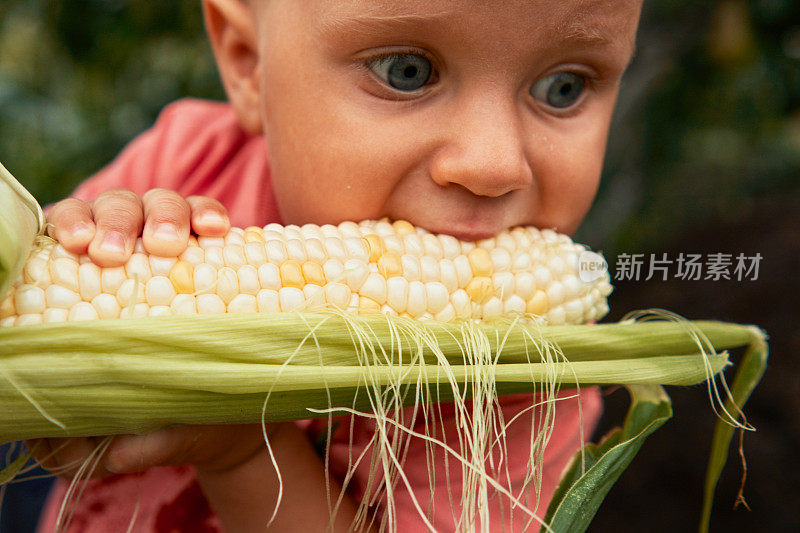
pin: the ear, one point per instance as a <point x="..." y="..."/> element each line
<point x="231" y="27"/>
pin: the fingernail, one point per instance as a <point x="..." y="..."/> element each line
<point x="81" y="231"/>
<point x="212" y="218"/>
<point x="113" y="242"/>
<point x="166" y="232"/>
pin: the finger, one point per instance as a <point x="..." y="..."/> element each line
<point x="166" y="226"/>
<point x="67" y="456"/>
<point x="209" y="217"/>
<point x="214" y="447"/>
<point x="72" y="224"/>
<point x="118" y="218"/>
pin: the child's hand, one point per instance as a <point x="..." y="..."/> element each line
<point x="108" y="227"/>
<point x="208" y="448"/>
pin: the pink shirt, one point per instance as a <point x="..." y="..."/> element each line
<point x="197" y="148"/>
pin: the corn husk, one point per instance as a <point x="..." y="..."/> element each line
<point x="21" y="220"/>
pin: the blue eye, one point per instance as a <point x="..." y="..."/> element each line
<point x="404" y="72"/>
<point x="559" y="90"/>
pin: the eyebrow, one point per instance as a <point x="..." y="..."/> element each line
<point x="375" y="23"/>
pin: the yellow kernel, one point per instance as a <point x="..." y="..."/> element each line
<point x="389" y="265"/>
<point x="312" y="273"/>
<point x="254" y="236"/>
<point x="480" y="289"/>
<point x="366" y="304"/>
<point x="481" y="262"/>
<point x="375" y="246"/>
<point x="182" y="277"/>
<point x="292" y="274"/>
<point x="538" y="303"/>
<point x="403" y="227"/>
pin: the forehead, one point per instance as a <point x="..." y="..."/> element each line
<point x="578" y="20"/>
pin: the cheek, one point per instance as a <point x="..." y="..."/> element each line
<point x="568" y="182"/>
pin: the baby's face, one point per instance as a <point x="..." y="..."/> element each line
<point x="463" y="117"/>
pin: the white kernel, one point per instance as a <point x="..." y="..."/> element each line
<point x="276" y="252"/>
<point x="89" y="281"/>
<point x="137" y="311"/>
<point x="542" y="276"/>
<point x="29" y="299"/>
<point x="503" y="284"/>
<point x="7" y="306"/>
<point x="514" y="304"/>
<point x="333" y="269"/>
<point x="417" y="299"/>
<point x="493" y="308"/>
<point x="29" y="319"/>
<point x="255" y="253"/>
<point x="431" y="246"/>
<point x="463" y="270"/>
<point x="214" y="257"/>
<point x="131" y="292"/>
<point x="447" y="314"/>
<point x="449" y="276"/>
<point x="572" y="286"/>
<point x="467" y="246"/>
<point x="64" y="272"/>
<point x="556" y="316"/>
<point x="138" y="247"/>
<point x="267" y="301"/>
<point x="521" y="261"/>
<point x="53" y="315"/>
<point x="106" y="306"/>
<point x="394" y="244"/>
<point x="227" y="284"/>
<point x="461" y="303"/>
<point x="205" y="277"/>
<point x="501" y="259"/>
<point x="506" y="242"/>
<point x="211" y="242"/>
<point x="411" y="268"/>
<point x="83" y="311"/>
<point x="355" y="248"/>
<point x="556" y="265"/>
<point x="59" y="252"/>
<point x="438" y="296"/>
<point x="248" y="280"/>
<point x="243" y="303"/>
<point x="138" y="265"/>
<point x="487" y="244"/>
<point x="184" y="304"/>
<point x="194" y="255"/>
<point x="429" y="269"/>
<point x="337" y="294"/>
<point x="291" y="298"/>
<point x="160" y="266"/>
<point x="159" y="291"/>
<point x="374" y="287"/>
<point x="310" y="231"/>
<point x="314" y="294"/>
<point x="210" y="304"/>
<point x="397" y="293"/>
<point x="296" y="250"/>
<point x="315" y="251"/>
<point x="233" y="255"/>
<point x="329" y="230"/>
<point x="525" y="285"/>
<point x="234" y="238"/>
<point x="112" y="278"/>
<point x="335" y="248"/>
<point x="413" y="245"/>
<point x="451" y="248"/>
<point x="37" y="270"/>
<point x="573" y="311"/>
<point x="349" y="229"/>
<point x="269" y="276"/>
<point x="355" y="274"/>
<point x="555" y="293"/>
<point x="160" y="310"/>
<point x="61" y="297"/>
<point x="9" y="321"/>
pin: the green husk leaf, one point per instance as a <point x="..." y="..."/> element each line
<point x="14" y="468"/>
<point x="21" y="219"/>
<point x="748" y="374"/>
<point x="591" y="474"/>
<point x="135" y="375"/>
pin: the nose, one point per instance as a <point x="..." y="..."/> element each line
<point x="484" y="149"/>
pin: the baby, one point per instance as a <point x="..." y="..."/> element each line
<point x="462" y="117"/>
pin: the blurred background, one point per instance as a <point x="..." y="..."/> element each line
<point x="704" y="157"/>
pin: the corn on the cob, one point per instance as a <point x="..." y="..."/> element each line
<point x="373" y="266"/>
